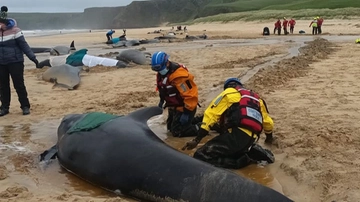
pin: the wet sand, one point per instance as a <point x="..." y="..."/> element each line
<point x="312" y="100"/>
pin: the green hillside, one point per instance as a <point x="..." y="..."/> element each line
<point x="316" y="4"/>
<point x="152" y="13"/>
<point x="228" y="6"/>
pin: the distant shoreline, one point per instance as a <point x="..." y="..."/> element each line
<point x="54" y="32"/>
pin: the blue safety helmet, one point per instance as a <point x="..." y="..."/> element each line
<point x="232" y="80"/>
<point x="159" y="60"/>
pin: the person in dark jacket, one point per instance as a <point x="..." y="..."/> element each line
<point x="12" y="48"/>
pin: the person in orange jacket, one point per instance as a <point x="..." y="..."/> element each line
<point x="277" y="27"/>
<point x="292" y="23"/>
<point x="179" y="92"/>
<point x="285" y="25"/>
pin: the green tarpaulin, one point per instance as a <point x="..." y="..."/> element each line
<point x="91" y="121"/>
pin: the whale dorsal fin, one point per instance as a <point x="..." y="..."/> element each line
<point x="144" y="114"/>
<point x="72" y="46"/>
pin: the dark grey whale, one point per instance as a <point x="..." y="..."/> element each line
<point x="124" y="156"/>
<point x="57" y="50"/>
<point x="136" y="56"/>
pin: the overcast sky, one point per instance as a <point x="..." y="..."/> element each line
<point x="29" y="6"/>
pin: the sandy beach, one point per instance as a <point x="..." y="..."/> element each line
<point x="312" y="97"/>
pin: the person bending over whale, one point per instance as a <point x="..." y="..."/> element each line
<point x="109" y="34"/>
<point x="243" y="115"/>
<point x="178" y="90"/>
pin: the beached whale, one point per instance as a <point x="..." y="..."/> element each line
<point x="65" y="76"/>
<point x="135" y="56"/>
<point x="122" y="155"/>
<point x="57" y="50"/>
<point x="147" y="41"/>
<point x="127" y="43"/>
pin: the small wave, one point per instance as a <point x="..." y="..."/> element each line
<point x="13" y="146"/>
<point x="51" y="32"/>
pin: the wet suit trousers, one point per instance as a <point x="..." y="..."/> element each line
<point x="175" y="127"/>
<point x="228" y="150"/>
<point x="319" y="29"/>
<point x="16" y="71"/>
<point x="291" y="29"/>
<point x="315" y="31"/>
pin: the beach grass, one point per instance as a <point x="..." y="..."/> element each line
<point x="264" y="15"/>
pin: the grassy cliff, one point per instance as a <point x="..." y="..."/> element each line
<point x="154" y="12"/>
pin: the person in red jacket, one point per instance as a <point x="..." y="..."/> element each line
<point x="285" y="25"/>
<point x="319" y="24"/>
<point x="277" y="27"/>
<point x="292" y="23"/>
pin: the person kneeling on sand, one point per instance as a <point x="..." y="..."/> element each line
<point x="243" y="116"/>
<point x="178" y="90"/>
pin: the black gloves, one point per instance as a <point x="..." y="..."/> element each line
<point x="35" y="61"/>
<point x="161" y="103"/>
<point x="194" y="142"/>
<point x="269" y="138"/>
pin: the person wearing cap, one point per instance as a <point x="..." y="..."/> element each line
<point x="242" y="116"/>
<point x="12" y="48"/>
<point x="314" y="25"/>
<point x="178" y="92"/>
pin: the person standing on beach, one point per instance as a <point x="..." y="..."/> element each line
<point x="292" y="23"/>
<point x="285" y="25"/>
<point x="277" y="27"/>
<point x="109" y="34"/>
<point x="179" y="92"/>
<point x="314" y="25"/>
<point x="319" y="24"/>
<point x="12" y="48"/>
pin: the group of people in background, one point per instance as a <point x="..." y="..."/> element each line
<point x="316" y="24"/>
<point x="285" y="24"/>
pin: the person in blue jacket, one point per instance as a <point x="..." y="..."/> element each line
<point x="109" y="34"/>
<point x="12" y="48"/>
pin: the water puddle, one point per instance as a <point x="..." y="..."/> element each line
<point x="21" y="145"/>
<point x="258" y="173"/>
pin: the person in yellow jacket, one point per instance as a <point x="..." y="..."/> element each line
<point x="179" y="92"/>
<point x="243" y="116"/>
<point x="314" y="25"/>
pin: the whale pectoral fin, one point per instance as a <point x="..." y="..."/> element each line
<point x="144" y="114"/>
<point x="49" y="154"/>
<point x="61" y="85"/>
